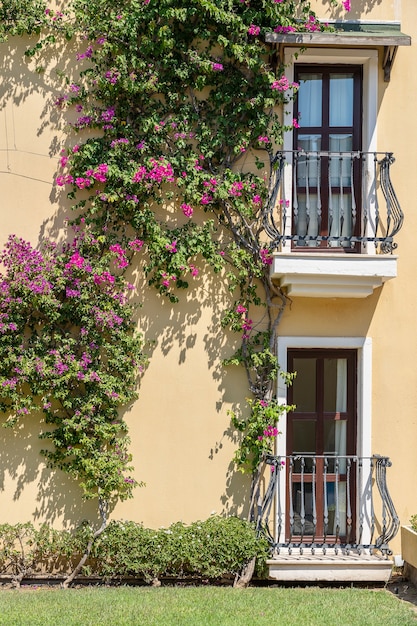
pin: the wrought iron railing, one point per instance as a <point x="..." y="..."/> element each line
<point x="332" y="199"/>
<point x="323" y="502"/>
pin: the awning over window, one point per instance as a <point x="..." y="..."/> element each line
<point x="363" y="34"/>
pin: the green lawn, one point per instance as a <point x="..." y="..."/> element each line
<point x="201" y="606"/>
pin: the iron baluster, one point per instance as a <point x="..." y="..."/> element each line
<point x="336" y="497"/>
<point x="313" y="495"/>
<point x="291" y="503"/>
<point x="390" y="521"/>
<point x="376" y="200"/>
<point x="302" y="508"/>
<point x="279" y="506"/>
<point x="325" y="507"/>
<point x="319" y="205"/>
<point x="348" y="507"/>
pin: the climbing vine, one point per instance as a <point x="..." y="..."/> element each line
<point x="171" y="157"/>
<point x="70" y="351"/>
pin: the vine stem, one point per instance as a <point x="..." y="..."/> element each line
<point x="103" y="507"/>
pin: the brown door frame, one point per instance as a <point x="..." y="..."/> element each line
<point x="321" y="416"/>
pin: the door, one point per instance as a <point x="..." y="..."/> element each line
<point x="321" y="439"/>
<point x="327" y="165"/>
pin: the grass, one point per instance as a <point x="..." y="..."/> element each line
<point x="203" y="606"/>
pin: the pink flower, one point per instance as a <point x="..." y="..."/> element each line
<point x="266" y="256"/>
<point x="254" y="30"/>
<point x="82" y="183"/>
<point x="284" y="29"/>
<point x="135" y="245"/>
<point x="217" y="67"/>
<point x="241" y="309"/>
<point x="346" y="5"/>
<point x="85" y="55"/>
<point x="295" y="123"/>
<point x="108" y="115"/>
<point x="247" y="325"/>
<point x="236" y="188"/>
<point x="187" y="209"/>
<point x="139" y="175"/>
<point x="172" y="247"/>
<point x="281" y="85"/>
<point x="206" y="198"/>
<point x="193" y="270"/>
<point x="64" y="180"/>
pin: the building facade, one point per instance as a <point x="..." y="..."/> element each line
<point x="346" y="261"/>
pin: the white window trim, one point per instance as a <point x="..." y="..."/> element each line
<point x="363" y="345"/>
<point x="369" y="61"/>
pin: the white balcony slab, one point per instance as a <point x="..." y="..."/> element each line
<point x="330" y="568"/>
<point x="327" y="275"/>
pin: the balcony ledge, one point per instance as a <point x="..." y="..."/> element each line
<point x="336" y="568"/>
<point x="315" y="275"/>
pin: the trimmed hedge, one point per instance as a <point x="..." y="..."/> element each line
<point x="212" y="549"/>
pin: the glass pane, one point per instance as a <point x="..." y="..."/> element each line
<point x="341" y="100"/>
<point x="303" y="496"/>
<point x="310" y="100"/>
<point x="309" y="143"/>
<point x="335" y="385"/>
<point x="340" y="167"/>
<point x="307" y="222"/>
<point x="335" y="438"/>
<point x="336" y="511"/>
<point x="340" y="217"/>
<point x="304" y="437"/>
<point x="304" y="385"/>
<point x="308" y="167"/>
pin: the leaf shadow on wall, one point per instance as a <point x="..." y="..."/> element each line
<point x="188" y="337"/>
<point x="358" y="9"/>
<point x="40" y="494"/>
<point x="33" y="135"/>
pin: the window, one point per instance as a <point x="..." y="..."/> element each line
<point x="340" y="86"/>
<point x="327" y="168"/>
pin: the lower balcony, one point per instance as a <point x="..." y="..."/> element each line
<point x="328" y="518"/>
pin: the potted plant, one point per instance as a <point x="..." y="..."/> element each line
<point x="409" y="549"/>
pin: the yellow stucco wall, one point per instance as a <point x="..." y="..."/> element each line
<point x="181" y="441"/>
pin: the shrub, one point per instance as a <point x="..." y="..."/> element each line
<point x="212" y="549"/>
<point x="215" y="548"/>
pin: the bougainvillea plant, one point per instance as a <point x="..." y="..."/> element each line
<point x="70" y="352"/>
<point x="173" y="149"/>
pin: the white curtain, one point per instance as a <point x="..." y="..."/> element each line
<point x="310" y="100"/>
<point x="341" y="438"/>
<point x="341" y="100"/>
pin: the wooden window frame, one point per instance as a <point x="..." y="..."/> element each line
<point x="325" y="130"/>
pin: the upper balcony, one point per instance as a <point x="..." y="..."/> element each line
<point x="333" y="217"/>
